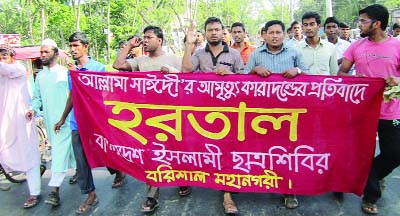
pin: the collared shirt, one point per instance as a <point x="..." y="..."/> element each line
<point x="146" y="63"/>
<point x="340" y="46"/>
<point x="322" y="59"/>
<point x="91" y="65"/>
<point x="278" y="62"/>
<point x="204" y="61"/>
<point x="246" y="51"/>
<point x="293" y="42"/>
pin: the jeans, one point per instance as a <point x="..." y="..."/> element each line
<point x="386" y="161"/>
<point x="85" y="178"/>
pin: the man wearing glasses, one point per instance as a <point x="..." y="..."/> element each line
<point x="378" y="55"/>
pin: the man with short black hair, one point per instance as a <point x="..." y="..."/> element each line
<point x="297" y="33"/>
<point x="217" y="57"/>
<point x="396" y="30"/>
<point x="79" y="47"/>
<point x="319" y="55"/>
<point x="331" y="27"/>
<point x="157" y="60"/>
<point x="239" y="33"/>
<point x="378" y="55"/>
<point x="344" y="32"/>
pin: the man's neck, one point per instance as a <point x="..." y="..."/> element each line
<point x="333" y="40"/>
<point x="239" y="46"/>
<point x="378" y="37"/>
<point x="156" y="53"/>
<point x="216" y="49"/>
<point x="313" y="41"/>
<point x="52" y="64"/>
<point x="82" y="60"/>
<point x="274" y="49"/>
<point x="298" y="37"/>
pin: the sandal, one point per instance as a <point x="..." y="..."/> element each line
<point x="184" y="191"/>
<point x="85" y="207"/>
<point x="369" y="208"/>
<point x="74" y="178"/>
<point x="290" y="201"/>
<point x="32" y="201"/>
<point x="118" y="181"/>
<point x="149" y="205"/>
<point x="230" y="207"/>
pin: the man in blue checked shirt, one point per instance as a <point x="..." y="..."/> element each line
<point x="274" y="56"/>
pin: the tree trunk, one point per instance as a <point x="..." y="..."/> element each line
<point x="43" y="23"/>
<point x="108" y="33"/>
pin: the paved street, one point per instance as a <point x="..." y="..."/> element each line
<point x="127" y="199"/>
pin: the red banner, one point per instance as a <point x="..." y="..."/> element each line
<point x="307" y="135"/>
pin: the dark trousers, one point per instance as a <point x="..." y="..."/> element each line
<point x="387" y="160"/>
<point x="85" y="178"/>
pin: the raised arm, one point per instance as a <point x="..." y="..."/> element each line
<point x="120" y="62"/>
<point x="189" y="45"/>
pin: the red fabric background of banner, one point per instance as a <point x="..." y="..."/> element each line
<point x="307" y="135"/>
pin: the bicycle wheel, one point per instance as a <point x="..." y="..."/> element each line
<point x="14" y="177"/>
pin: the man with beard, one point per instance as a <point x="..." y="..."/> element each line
<point x="244" y="47"/>
<point x="157" y="60"/>
<point x="79" y="46"/>
<point x="215" y="57"/>
<point x="319" y="55"/>
<point x="51" y="93"/>
<point x="19" y="142"/>
<point x="331" y="27"/>
<point x="378" y="55"/>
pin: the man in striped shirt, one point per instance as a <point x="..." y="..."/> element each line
<point x="274" y="56"/>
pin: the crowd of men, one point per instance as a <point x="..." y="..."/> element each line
<point x="221" y="49"/>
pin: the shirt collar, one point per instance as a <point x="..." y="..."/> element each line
<point x="246" y="45"/>
<point x="321" y="43"/>
<point x="265" y="49"/>
<point x="226" y="47"/>
<point x="84" y="68"/>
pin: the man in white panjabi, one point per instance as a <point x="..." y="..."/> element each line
<point x="19" y="143"/>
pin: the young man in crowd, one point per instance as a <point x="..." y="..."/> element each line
<point x="157" y="60"/>
<point x="239" y="33"/>
<point x="215" y="57"/>
<point x="378" y="55"/>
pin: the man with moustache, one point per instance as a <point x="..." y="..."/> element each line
<point x="319" y="55"/>
<point x="244" y="47"/>
<point x="157" y="60"/>
<point x="217" y="57"/>
<point x="51" y="93"/>
<point x="378" y="55"/>
<point x="297" y="35"/>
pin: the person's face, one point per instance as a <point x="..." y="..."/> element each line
<point x="344" y="33"/>
<point x="331" y="30"/>
<point x="275" y="36"/>
<point x="296" y="29"/>
<point x="227" y="36"/>
<point x="238" y="34"/>
<point x="77" y="49"/>
<point x="199" y="37"/>
<point x="151" y="42"/>
<point x="47" y="55"/>
<point x="396" y="32"/>
<point x="5" y="57"/>
<point x="366" y="25"/>
<point x="214" y="33"/>
<point x="310" y="27"/>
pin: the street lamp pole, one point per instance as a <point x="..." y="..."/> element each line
<point x="329" y="11"/>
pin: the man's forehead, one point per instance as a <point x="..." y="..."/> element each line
<point x="215" y="25"/>
<point x="310" y="20"/>
<point x="331" y="25"/>
<point x="237" y="28"/>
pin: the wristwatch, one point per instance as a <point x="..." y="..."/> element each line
<point x="298" y="70"/>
